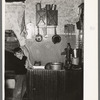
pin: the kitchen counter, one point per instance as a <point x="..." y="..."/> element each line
<point x="55" y="84"/>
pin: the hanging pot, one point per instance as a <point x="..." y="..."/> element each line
<point x="38" y="37"/>
<point x="56" y="38"/>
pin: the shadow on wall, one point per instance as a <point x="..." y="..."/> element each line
<point x="46" y="51"/>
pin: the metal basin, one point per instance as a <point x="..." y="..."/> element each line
<point x="56" y="66"/>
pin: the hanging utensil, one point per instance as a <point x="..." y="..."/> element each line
<point x="71" y="29"/>
<point x="44" y="29"/>
<point x="78" y="24"/>
<point x="38" y="6"/>
<point x="68" y="29"/>
<point x="56" y="38"/>
<point x="38" y="37"/>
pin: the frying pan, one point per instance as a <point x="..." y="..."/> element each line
<point x="38" y="37"/>
<point x="56" y="38"/>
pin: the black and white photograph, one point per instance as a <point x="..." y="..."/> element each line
<point x="44" y="49"/>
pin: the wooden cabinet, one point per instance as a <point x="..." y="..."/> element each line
<point x="47" y="17"/>
<point x="54" y="85"/>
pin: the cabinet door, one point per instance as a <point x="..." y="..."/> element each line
<point x="74" y="85"/>
<point x="50" y="80"/>
<point x="61" y="85"/>
<point x="42" y="85"/>
<point x="55" y="85"/>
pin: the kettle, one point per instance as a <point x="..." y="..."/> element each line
<point x="76" y="56"/>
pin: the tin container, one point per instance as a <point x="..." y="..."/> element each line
<point x="56" y="66"/>
<point x="38" y="6"/>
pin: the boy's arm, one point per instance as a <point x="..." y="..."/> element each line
<point x="26" y="52"/>
<point x="24" y="60"/>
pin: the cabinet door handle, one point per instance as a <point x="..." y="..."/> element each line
<point x="34" y="89"/>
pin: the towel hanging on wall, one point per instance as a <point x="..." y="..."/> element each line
<point x="23" y="26"/>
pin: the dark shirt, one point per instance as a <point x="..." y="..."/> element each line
<point x="20" y="65"/>
<point x="14" y="63"/>
<point x="9" y="60"/>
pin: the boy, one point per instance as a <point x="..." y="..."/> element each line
<point x="20" y="74"/>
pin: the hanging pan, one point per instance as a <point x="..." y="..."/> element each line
<point x="56" y="38"/>
<point x="38" y="37"/>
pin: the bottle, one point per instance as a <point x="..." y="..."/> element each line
<point x="68" y="56"/>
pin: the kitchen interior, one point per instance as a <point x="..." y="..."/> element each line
<point x="48" y="26"/>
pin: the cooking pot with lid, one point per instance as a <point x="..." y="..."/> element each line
<point x="77" y="56"/>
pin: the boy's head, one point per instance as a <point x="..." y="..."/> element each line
<point x="18" y="52"/>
